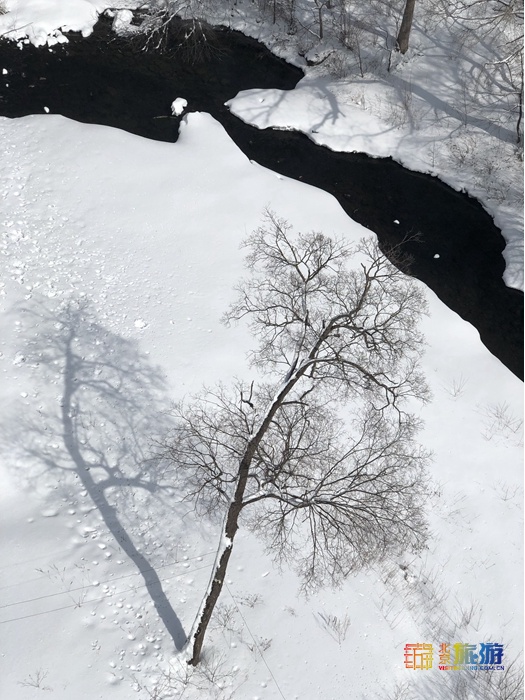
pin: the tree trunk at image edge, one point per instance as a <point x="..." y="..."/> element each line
<point x="406" y="26"/>
<point x="211" y="600"/>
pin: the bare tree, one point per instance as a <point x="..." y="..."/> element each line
<point x="320" y="6"/>
<point x="178" y="26"/>
<point x="496" y="83"/>
<point x="328" y="493"/>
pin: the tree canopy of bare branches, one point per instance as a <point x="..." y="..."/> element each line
<point x="320" y="457"/>
<point x="177" y="27"/>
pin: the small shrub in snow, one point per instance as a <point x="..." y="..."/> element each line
<point x="337" y="627"/>
<point x="36" y="680"/>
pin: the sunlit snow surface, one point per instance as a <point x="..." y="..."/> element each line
<point x="123" y="252"/>
<point x="45" y="22"/>
<point x="128" y="250"/>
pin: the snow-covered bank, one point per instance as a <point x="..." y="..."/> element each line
<point x="147" y="234"/>
<point x="46" y="23"/>
<point x="340" y="114"/>
<point x="430" y="125"/>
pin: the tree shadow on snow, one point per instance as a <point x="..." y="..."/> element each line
<point x="97" y="432"/>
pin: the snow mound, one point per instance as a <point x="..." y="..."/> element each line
<point x="42" y="23"/>
<point x="178" y="106"/>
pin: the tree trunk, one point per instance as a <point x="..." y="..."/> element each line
<point x="205" y="616"/>
<point x="406" y="26"/>
<point x="198" y="632"/>
<point x="520" y="111"/>
<point x="291" y="23"/>
<point x="223" y="557"/>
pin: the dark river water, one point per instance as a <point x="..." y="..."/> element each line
<point x="109" y="80"/>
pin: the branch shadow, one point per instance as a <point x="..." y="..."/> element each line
<point x="461" y="116"/>
<point x="423" y="594"/>
<point x="97" y="433"/>
<point x="504" y="684"/>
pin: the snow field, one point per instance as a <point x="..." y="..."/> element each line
<point x="146" y="235"/>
